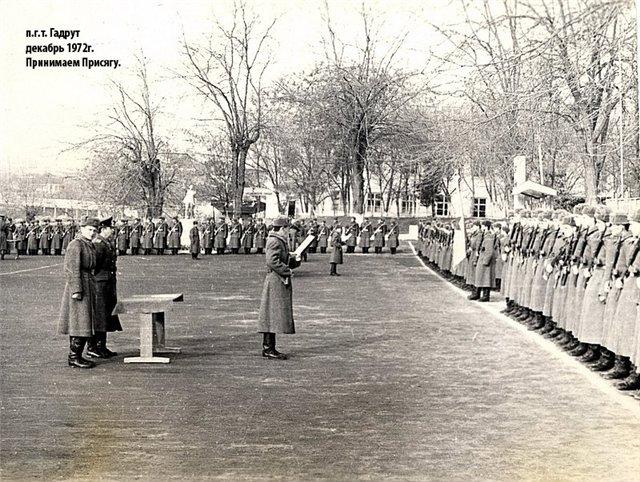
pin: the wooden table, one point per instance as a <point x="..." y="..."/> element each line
<point x="151" y="310"/>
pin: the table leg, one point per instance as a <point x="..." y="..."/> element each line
<point x="159" y="335"/>
<point x="146" y="343"/>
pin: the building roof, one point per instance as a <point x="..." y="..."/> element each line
<point x="535" y="190"/>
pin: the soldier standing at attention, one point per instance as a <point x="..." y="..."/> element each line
<point x="45" y="237"/>
<point x="208" y="228"/>
<point x="160" y="236"/>
<point x="78" y="307"/>
<point x="260" y="236"/>
<point x="175" y="233"/>
<point x="392" y="239"/>
<point x="134" y="236"/>
<point x="122" y="237"/>
<point x="293" y="236"/>
<point x="378" y="236"/>
<point x="313" y="230"/>
<point x="352" y="232"/>
<point x="365" y="235"/>
<point x="20" y="236"/>
<point x="220" y="236"/>
<point x="234" y="236"/>
<point x="336" y="254"/>
<point x="485" y="275"/>
<point x="57" y="233"/>
<point x="106" y="292"/>
<point x="323" y="236"/>
<point x="276" y="304"/>
<point x="194" y="240"/>
<point x="247" y="236"/>
<point x="33" y="235"/>
<point x="147" y="236"/>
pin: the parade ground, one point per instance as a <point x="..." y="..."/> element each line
<point x="392" y="374"/>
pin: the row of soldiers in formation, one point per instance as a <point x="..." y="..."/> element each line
<point x="147" y="237"/>
<point x="573" y="277"/>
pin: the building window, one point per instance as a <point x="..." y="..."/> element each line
<point x="442" y="206"/>
<point x="336" y="204"/>
<point x="479" y="207"/>
<point x="407" y="206"/>
<point x="374" y="203"/>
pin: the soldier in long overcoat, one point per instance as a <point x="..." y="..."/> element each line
<point x="260" y="236"/>
<point x="122" y="237"/>
<point x="70" y="231"/>
<point x="45" y="237"/>
<point x="78" y="308"/>
<point x="106" y="292"/>
<point x="20" y="236"/>
<point x="323" y="236"/>
<point x="207" y="228"/>
<point x="486" y="262"/>
<point x="352" y="232"/>
<point x="194" y="240"/>
<point x="235" y="234"/>
<point x="174" y="236"/>
<point x="147" y="236"/>
<point x="135" y="236"/>
<point x="276" y="304"/>
<point x="313" y="230"/>
<point x="160" y="236"/>
<point x="393" y="236"/>
<point x="33" y="236"/>
<point x="220" y="236"/>
<point x="378" y="236"/>
<point x="336" y="254"/>
<point x="57" y="233"/>
<point x="246" y="241"/>
<point x="365" y="236"/>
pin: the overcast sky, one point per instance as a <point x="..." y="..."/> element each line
<point x="46" y="109"/>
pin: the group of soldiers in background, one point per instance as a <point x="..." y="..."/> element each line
<point x="573" y="277"/>
<point x="232" y="235"/>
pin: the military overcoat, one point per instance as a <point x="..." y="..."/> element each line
<point x="106" y="286"/>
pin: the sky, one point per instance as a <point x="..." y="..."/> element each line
<point x="45" y="111"/>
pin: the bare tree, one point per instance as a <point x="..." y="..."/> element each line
<point x="228" y="72"/>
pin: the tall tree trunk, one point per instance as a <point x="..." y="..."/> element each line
<point x="239" y="168"/>
<point x="357" y="179"/>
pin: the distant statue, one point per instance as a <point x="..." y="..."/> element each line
<point x="189" y="202"/>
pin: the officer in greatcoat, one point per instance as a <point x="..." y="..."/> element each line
<point x="313" y="230"/>
<point x="235" y="234"/>
<point x="486" y="262"/>
<point x="33" y="237"/>
<point x="78" y="308"/>
<point x="106" y="291"/>
<point x="336" y="254"/>
<point x="207" y="229"/>
<point x="4" y="236"/>
<point x="20" y="237"/>
<point x="260" y="236"/>
<point x="194" y="240"/>
<point x="276" y="305"/>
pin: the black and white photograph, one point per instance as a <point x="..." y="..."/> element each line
<point x="320" y="240"/>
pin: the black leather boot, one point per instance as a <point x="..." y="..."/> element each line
<point x="269" y="347"/>
<point x="621" y="369"/>
<point x="475" y="294"/>
<point x="591" y="355"/>
<point x="632" y="382"/>
<point x="548" y="327"/>
<point x="93" y="351"/>
<point x="102" y="345"/>
<point x="579" y="350"/>
<point x="76" y="345"/>
<point x="605" y="363"/>
<point x="485" y="294"/>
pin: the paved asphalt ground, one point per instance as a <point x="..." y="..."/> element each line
<point x="392" y="375"/>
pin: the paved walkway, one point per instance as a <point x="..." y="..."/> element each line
<point x="393" y="374"/>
